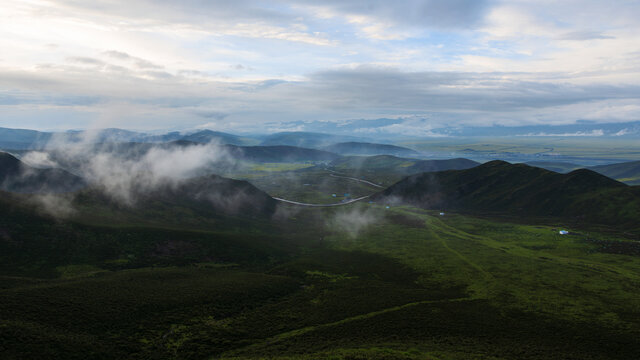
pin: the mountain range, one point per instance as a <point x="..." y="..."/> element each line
<point x="362" y="148"/>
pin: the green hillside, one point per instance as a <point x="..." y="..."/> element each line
<point x="412" y="285"/>
<point x="213" y="268"/>
<point x="501" y="188"/>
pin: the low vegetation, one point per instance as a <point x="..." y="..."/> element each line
<point x="172" y="277"/>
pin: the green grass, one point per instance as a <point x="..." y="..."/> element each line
<point x="409" y="284"/>
<point x="128" y="312"/>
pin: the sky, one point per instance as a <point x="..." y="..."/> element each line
<point x="249" y="66"/>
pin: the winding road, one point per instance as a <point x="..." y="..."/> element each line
<point x="334" y="204"/>
<point x="321" y="205"/>
<point x="360" y="180"/>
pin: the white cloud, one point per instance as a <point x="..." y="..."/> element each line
<point x="168" y="64"/>
<point x="598" y="132"/>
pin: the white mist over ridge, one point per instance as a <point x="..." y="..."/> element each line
<point x="125" y="170"/>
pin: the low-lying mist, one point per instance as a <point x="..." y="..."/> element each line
<point x="355" y="220"/>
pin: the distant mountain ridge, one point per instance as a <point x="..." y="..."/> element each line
<point x="396" y="128"/>
<point x="279" y="153"/>
<point x="23" y="139"/>
<point x="627" y="172"/>
<point x="498" y="187"/>
<point x="399" y="165"/>
<point x="307" y="139"/>
<point x="206" y="136"/>
<point x="362" y="148"/>
<point x="557" y="166"/>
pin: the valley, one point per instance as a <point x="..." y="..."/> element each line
<point x="310" y="257"/>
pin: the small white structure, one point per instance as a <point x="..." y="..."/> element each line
<point x="564" y="232"/>
<point x="441" y="214"/>
<point x="387" y="207"/>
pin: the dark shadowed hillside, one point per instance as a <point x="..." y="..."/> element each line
<point x="503" y="188"/>
<point x="16" y="176"/>
<point x="216" y="194"/>
<point x="361" y="148"/>
<point x="178" y="203"/>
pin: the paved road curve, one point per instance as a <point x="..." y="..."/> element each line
<point x="321" y="205"/>
<point x="334" y="204"/>
<point x="360" y="180"/>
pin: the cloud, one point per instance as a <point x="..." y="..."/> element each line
<point x="38" y="159"/>
<point x="355" y="220"/>
<point x="443" y="14"/>
<point x="85" y="61"/>
<point x="57" y="205"/>
<point x="585" y="35"/>
<point x="168" y="64"/>
<point x="625" y="131"/>
<point x="211" y="114"/>
<point x="446" y="98"/>
<point x="126" y="171"/>
<point x="597" y="132"/>
<point x="139" y="62"/>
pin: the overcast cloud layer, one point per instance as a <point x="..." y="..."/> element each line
<point x="238" y="65"/>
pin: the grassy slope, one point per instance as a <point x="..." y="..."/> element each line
<point x="524" y="283"/>
<point x="501" y="188"/>
<point x="410" y="285"/>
